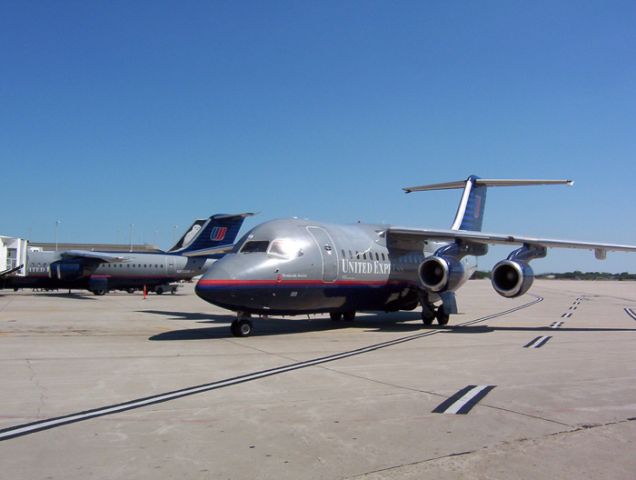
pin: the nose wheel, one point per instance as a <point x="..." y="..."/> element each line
<point x="242" y="326"/>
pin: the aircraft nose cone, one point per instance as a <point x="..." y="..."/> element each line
<point x="212" y="286"/>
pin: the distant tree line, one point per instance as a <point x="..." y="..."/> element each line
<point x="576" y="275"/>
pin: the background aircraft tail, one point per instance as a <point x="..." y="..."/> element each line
<point x="470" y="213"/>
<point x="218" y="230"/>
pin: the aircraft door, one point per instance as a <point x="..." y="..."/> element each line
<point x="328" y="253"/>
<point x="170" y="266"/>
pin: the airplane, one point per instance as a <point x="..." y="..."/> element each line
<point x="100" y="272"/>
<point x="294" y="266"/>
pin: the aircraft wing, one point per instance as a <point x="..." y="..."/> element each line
<point x="207" y="252"/>
<point x="407" y="236"/>
<point x="95" y="256"/>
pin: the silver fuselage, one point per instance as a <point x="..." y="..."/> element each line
<point x="294" y="266"/>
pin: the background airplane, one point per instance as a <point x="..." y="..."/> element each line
<point x="100" y="272"/>
<point x="294" y="266"/>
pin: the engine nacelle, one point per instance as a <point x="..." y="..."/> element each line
<point x="440" y="274"/>
<point x="512" y="278"/>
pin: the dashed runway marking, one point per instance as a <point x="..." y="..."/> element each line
<point x="537" y="342"/>
<point x="631" y="313"/>
<point x="556" y="324"/>
<point x="463" y="401"/>
<point x="566" y="315"/>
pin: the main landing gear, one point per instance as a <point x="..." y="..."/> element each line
<point x="242" y="326"/>
<point x="430" y="313"/>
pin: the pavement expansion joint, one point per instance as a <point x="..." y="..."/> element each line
<point x="487" y="447"/>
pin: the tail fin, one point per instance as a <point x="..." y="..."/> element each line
<point x="218" y="230"/>
<point x="470" y="213"/>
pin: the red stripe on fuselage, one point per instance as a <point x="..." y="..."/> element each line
<point x="254" y="283"/>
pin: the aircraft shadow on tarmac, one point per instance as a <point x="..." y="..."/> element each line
<point x="390" y="323"/>
<point x="65" y="295"/>
<point x="284" y="325"/>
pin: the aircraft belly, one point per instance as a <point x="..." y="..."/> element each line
<point x="312" y="297"/>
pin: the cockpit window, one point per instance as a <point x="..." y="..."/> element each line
<point x="255" y="246"/>
<point x="284" y="248"/>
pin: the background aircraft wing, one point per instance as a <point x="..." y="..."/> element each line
<point x="407" y="237"/>
<point x="10" y="270"/>
<point x="95" y="256"/>
<point x="207" y="252"/>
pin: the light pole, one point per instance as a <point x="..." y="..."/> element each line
<point x="132" y="225"/>
<point x="57" y="224"/>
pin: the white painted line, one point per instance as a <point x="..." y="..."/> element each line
<point x="537" y="342"/>
<point x="464" y="400"/>
<point x="455" y="407"/>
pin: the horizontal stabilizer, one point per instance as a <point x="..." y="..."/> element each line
<point x="486" y="182"/>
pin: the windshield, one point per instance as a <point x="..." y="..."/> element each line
<point x="284" y="248"/>
<point x="255" y="246"/>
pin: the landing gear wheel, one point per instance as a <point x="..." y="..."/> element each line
<point x="442" y="316"/>
<point x="241" y="328"/>
<point x="427" y="319"/>
<point x="336" y="316"/>
<point x="349" y="316"/>
<point x="130" y="290"/>
<point x="99" y="292"/>
<point x="158" y="290"/>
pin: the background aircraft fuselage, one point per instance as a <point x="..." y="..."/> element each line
<point x="47" y="269"/>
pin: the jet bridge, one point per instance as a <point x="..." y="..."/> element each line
<point x="13" y="256"/>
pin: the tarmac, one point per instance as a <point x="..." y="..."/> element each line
<point x="541" y="386"/>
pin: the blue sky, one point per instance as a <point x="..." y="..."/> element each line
<point x="155" y="113"/>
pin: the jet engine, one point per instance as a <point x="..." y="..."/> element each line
<point x="512" y="278"/>
<point x="440" y="273"/>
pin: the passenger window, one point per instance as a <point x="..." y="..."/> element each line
<point x="255" y="246"/>
<point x="377" y="257"/>
<point x="350" y="255"/>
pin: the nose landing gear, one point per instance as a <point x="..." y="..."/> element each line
<point x="242" y="326"/>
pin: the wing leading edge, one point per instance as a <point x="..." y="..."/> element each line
<point x="411" y="235"/>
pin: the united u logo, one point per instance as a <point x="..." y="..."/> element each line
<point x="218" y="233"/>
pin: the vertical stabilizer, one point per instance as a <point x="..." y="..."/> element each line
<point x="218" y="230"/>
<point x="470" y="213"/>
